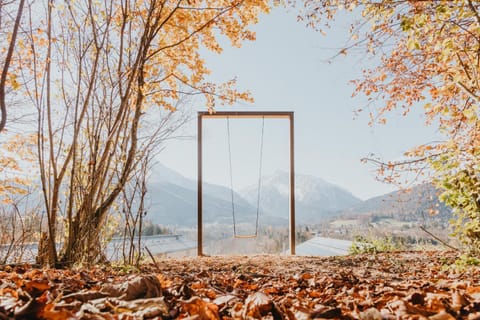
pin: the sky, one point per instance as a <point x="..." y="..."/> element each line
<point x="287" y="69"/>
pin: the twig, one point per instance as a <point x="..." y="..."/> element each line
<point x="438" y="239"/>
<point x="153" y="258"/>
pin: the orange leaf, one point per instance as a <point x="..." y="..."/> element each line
<point x="50" y="313"/>
<point x="204" y="310"/>
<point x="38" y="285"/>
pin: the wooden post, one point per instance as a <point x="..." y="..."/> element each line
<point x="292" y="187"/>
<point x="199" y="187"/>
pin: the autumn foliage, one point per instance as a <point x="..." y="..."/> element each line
<point x="429" y="58"/>
<point x="95" y="74"/>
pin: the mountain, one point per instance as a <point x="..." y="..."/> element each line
<point x="173" y="200"/>
<point x="315" y="198"/>
<point x="415" y="204"/>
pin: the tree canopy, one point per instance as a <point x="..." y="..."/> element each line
<point x="97" y="75"/>
<point x="429" y="58"/>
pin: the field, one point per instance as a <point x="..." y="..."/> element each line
<point x="406" y="285"/>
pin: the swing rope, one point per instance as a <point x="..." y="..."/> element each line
<point x="259" y="182"/>
<point x="231" y="177"/>
<point x="259" y="176"/>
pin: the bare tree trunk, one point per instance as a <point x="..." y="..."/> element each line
<point x="6" y="66"/>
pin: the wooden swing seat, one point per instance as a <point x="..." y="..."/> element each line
<point x="246" y="236"/>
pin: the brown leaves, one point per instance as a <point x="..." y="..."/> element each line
<point x="137" y="287"/>
<point x="44" y="294"/>
<point x="258" y="305"/>
<point x="201" y="309"/>
<point x="384" y="286"/>
<point x="400" y="285"/>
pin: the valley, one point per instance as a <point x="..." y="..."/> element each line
<point x="322" y="209"/>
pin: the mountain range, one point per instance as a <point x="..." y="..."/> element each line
<point x="173" y="201"/>
<point x="315" y="199"/>
<point x="419" y="203"/>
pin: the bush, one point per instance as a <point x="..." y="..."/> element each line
<point x="374" y="245"/>
<point x="461" y="192"/>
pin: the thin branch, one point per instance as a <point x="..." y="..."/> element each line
<point x="472" y="7"/>
<point x="401" y="163"/>
<point x="153" y="258"/>
<point x="438" y="239"/>
<point x="466" y="90"/>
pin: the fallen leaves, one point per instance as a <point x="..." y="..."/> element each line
<point x="147" y="286"/>
<point x="386" y="286"/>
<point x="258" y="305"/>
<point x="37" y="295"/>
<point x="200" y="308"/>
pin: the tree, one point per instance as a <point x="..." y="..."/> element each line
<point x="430" y="58"/>
<point x="97" y="67"/>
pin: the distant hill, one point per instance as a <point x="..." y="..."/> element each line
<point x="416" y="204"/>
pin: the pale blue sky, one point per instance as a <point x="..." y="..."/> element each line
<point x="286" y="69"/>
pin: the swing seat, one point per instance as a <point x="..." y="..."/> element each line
<point x="246" y="236"/>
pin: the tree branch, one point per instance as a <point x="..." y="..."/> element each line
<point x="472" y="7"/>
<point x="438" y="239"/>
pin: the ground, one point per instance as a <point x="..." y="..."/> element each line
<point x="402" y="285"/>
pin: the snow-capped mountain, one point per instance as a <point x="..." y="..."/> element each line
<point x="314" y="197"/>
<point x="173" y="199"/>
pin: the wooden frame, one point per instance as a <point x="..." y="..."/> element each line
<point x="244" y="114"/>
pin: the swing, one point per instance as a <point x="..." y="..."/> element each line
<point x="235" y="234"/>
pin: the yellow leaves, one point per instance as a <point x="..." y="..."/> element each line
<point x="175" y="65"/>
<point x="413" y="44"/>
<point x="470" y="115"/>
<point x="6" y="201"/>
<point x="10" y="188"/>
<point x="13" y="81"/>
<point x="15" y="156"/>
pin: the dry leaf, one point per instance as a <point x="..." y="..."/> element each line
<point x="258" y="305"/>
<point x="474" y="293"/>
<point x="202" y="309"/>
<point x="147" y="286"/>
<point x="51" y="313"/>
<point x="442" y="315"/>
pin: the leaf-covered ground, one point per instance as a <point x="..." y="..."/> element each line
<point x="405" y="285"/>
